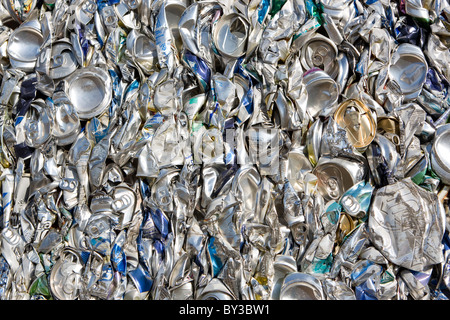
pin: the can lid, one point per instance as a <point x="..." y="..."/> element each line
<point x="322" y="91"/>
<point x="89" y="90"/>
<point x="301" y="286"/>
<point x="337" y="175"/>
<point x="357" y="120"/>
<point x="63" y="60"/>
<point x="65" y="275"/>
<point x="440" y="161"/>
<point x="24" y="46"/>
<point x="320" y="52"/>
<point x="408" y="70"/>
<point x="230" y="35"/>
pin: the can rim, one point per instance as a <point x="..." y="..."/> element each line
<point x="240" y="50"/>
<point x="300" y="279"/>
<point x="319" y="37"/>
<point x="105" y="79"/>
<point x="338" y="116"/>
<point x="17" y="32"/>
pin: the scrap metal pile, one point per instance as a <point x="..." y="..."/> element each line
<point x="250" y="150"/>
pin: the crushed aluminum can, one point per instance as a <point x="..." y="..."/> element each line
<point x="24" y="44"/>
<point x="167" y="37"/>
<point x="320" y="52"/>
<point x="65" y="278"/>
<point x="356" y="200"/>
<point x="67" y="125"/>
<point x="383" y="160"/>
<point x="396" y="229"/>
<point x="301" y="286"/>
<point x="230" y="35"/>
<point x="127" y="16"/>
<point x="63" y="61"/>
<point x="283" y="265"/>
<point x="438" y="158"/>
<point x="322" y="91"/>
<point x="215" y="290"/>
<point x="38" y="124"/>
<point x="357" y="120"/>
<point x="142" y="50"/>
<point x="228" y="150"/>
<point x="89" y="90"/>
<point x="336" y="176"/>
<point x="408" y="69"/>
<point x="314" y="141"/>
<point x="338" y="290"/>
<point x="20" y="10"/>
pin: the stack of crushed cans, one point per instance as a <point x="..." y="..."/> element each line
<point x="228" y="150"/>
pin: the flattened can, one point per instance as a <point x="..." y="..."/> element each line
<point x="90" y="91"/>
<point x="230" y="35"/>
<point x="409" y="70"/>
<point x="357" y="120"/>
<point x="20" y="10"/>
<point x="322" y="91"/>
<point x="440" y="161"/>
<point x="301" y="286"/>
<point x="24" y="46"/>
<point x="407" y="224"/>
<point x="320" y="52"/>
<point x="65" y="277"/>
<point x="337" y="175"/>
<point x="63" y="61"/>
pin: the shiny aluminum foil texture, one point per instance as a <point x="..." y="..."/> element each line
<point x="227" y="150"/>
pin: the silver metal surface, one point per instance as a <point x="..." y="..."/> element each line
<point x="322" y="92"/>
<point x="230" y="35"/>
<point x="408" y="69"/>
<point x="337" y="175"/>
<point x="403" y="236"/>
<point x="89" y="90"/>
<point x="440" y="162"/>
<point x="301" y="286"/>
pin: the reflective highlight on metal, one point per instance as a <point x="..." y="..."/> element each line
<point x="24" y="44"/>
